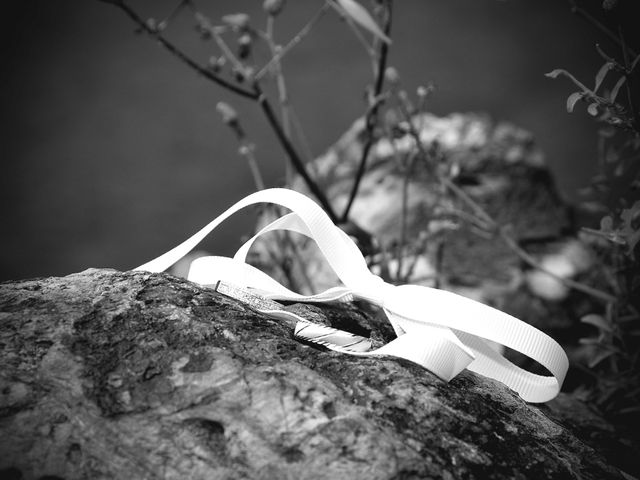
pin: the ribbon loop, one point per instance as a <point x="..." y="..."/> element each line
<point x="439" y="330"/>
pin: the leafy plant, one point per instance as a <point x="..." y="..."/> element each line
<point x="613" y="357"/>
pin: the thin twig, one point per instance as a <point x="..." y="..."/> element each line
<point x="285" y="241"/>
<point x="597" y="23"/>
<point x="408" y="170"/>
<point x="299" y="261"/>
<point x="292" y="43"/>
<point x="174" y="50"/>
<point x="246" y="150"/>
<point x="372" y="113"/>
<point x="472" y="219"/>
<point x="284" y="237"/>
<point x="236" y="64"/>
<point x="438" y="263"/>
<point x="420" y="249"/>
<point x="291" y="152"/>
<point x="460" y="193"/>
<point x="496" y="227"/>
<point x="532" y="262"/>
<point x="174" y="13"/>
<point x="625" y="59"/>
<point x="302" y="138"/>
<point x="254" y="94"/>
<point x="283" y="97"/>
<point x="289" y="118"/>
<point x="358" y="34"/>
<point x="274" y="259"/>
<point x="280" y="81"/>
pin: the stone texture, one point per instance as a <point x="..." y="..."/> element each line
<point x="110" y="374"/>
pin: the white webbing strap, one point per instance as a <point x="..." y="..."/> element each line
<point x="442" y="331"/>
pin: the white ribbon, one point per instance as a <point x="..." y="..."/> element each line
<point x="439" y="330"/>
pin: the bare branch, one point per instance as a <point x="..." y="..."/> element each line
<point x="292" y="43"/>
<point x="596" y="23"/>
<point x="356" y="31"/>
<point x="372" y="114"/>
<point x="178" y="53"/>
<point x="291" y="152"/>
<point x="629" y="67"/>
<point x="254" y="94"/>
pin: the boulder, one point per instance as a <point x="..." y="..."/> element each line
<point x="109" y="374"/>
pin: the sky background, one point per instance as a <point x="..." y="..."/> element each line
<point x="112" y="151"/>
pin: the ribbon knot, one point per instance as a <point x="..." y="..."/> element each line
<point x="439" y="330"/>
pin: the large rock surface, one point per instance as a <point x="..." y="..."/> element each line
<point x="108" y="374"/>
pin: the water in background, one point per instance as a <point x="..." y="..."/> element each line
<point x="112" y="151"/>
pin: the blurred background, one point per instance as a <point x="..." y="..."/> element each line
<point x="113" y="152"/>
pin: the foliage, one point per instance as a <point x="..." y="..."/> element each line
<point x="614" y="352"/>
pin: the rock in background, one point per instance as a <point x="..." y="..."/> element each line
<point x="134" y="375"/>
<point x="499" y="166"/>
<point x="496" y="164"/>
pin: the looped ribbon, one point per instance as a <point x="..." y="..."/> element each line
<point x="442" y="331"/>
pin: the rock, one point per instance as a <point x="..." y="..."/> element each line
<point x="112" y="374"/>
<point x="618" y="447"/>
<point x="498" y="165"/>
<point x="571" y="259"/>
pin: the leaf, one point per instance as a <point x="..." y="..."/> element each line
<point x="606" y="224"/>
<point x="616" y="89"/>
<point x="632" y="241"/>
<point x="599" y="358"/>
<point x="601" y="74"/>
<point x="631" y="234"/>
<point x="573" y="99"/>
<point x="629" y="214"/>
<point x="597" y="321"/>
<point x="555" y="73"/>
<point x="593" y="109"/>
<point x="634" y="63"/>
<point x="361" y="16"/>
